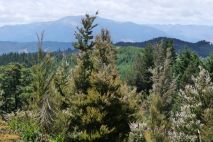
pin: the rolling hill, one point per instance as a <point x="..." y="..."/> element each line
<point x="202" y="48"/>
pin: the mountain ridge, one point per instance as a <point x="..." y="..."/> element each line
<point x="62" y="30"/>
<point x="202" y="48"/>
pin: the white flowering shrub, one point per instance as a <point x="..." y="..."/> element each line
<point x="137" y="132"/>
<point x="195" y="99"/>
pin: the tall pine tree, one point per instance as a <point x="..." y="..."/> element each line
<point x="45" y="99"/>
<point x="100" y="110"/>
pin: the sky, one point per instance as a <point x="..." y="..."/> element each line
<point x="185" y="12"/>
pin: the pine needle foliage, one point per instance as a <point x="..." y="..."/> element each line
<point x="100" y="110"/>
<point x="45" y="97"/>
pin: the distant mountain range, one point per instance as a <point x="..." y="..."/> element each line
<point x="28" y="47"/>
<point x="202" y="48"/>
<point x="62" y="30"/>
<point x="59" y="35"/>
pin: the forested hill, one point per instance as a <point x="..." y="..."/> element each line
<point x="202" y="48"/>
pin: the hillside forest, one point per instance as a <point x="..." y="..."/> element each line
<point x="100" y="92"/>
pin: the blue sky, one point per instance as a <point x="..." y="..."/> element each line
<point x="197" y="12"/>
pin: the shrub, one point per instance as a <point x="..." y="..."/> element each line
<point x="28" y="128"/>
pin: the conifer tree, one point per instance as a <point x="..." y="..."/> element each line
<point x="106" y="81"/>
<point x="208" y="63"/>
<point x="45" y="95"/>
<point x="85" y="44"/>
<point x="25" y="88"/>
<point x="142" y="76"/>
<point x="61" y="81"/>
<point x="101" y="111"/>
<point x="185" y="66"/>
<point x="10" y="82"/>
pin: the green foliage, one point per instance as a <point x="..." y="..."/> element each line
<point x="141" y="76"/>
<point x="161" y="99"/>
<point x="84" y="35"/>
<point x="27" y="59"/>
<point x="186" y="65"/>
<point x="58" y="138"/>
<point x="25" y="88"/>
<point x="163" y="83"/>
<point x="85" y="43"/>
<point x="6" y="133"/>
<point x="125" y="60"/>
<point x="13" y="85"/>
<point x="30" y="59"/>
<point x="99" y="111"/>
<point x="202" y="48"/>
<point x="155" y="123"/>
<point x="26" y="127"/>
<point x="61" y="82"/>
<point x="46" y="98"/>
<point x="208" y="64"/>
<point x="10" y="79"/>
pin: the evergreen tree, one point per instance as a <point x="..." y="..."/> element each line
<point x="106" y="81"/>
<point x="10" y="82"/>
<point x="161" y="51"/>
<point x="61" y="81"/>
<point x="85" y="44"/>
<point x="141" y="75"/>
<point x="25" y="87"/>
<point x="208" y="63"/>
<point x="185" y="66"/>
<point x="102" y="111"/>
<point x="45" y="95"/>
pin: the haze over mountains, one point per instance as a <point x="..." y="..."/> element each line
<point x="62" y="30"/>
<point x="59" y="34"/>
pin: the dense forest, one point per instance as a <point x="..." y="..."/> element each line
<point x="105" y="93"/>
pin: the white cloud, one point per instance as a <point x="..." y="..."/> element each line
<point x="139" y="11"/>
